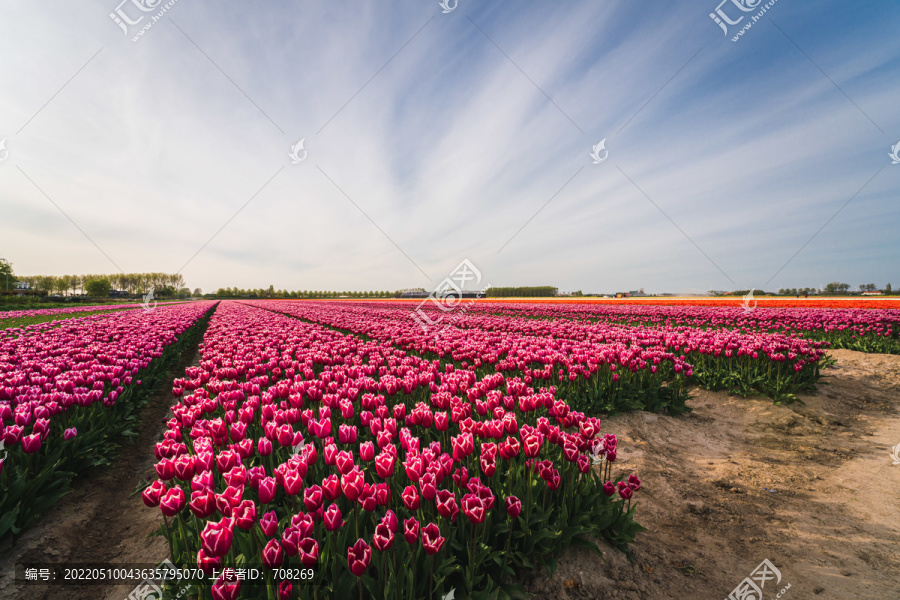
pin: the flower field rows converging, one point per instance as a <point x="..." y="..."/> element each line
<point x="596" y="367"/>
<point x="866" y="330"/>
<point x="10" y="315"/>
<point x="66" y="391"/>
<point x="294" y="445"/>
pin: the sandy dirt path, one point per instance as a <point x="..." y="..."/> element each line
<point x="810" y="488"/>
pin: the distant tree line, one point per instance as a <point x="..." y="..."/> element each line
<point x="835" y="288"/>
<point x="100" y="285"/>
<point x="271" y="292"/>
<point x="540" y="291"/>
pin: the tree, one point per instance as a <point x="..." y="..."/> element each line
<point x="98" y="287"/>
<point x="198" y="292"/>
<point x="887" y="289"/>
<point x="835" y="287"/>
<point x="7" y="279"/>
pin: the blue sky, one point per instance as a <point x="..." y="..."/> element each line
<point x="433" y="138"/>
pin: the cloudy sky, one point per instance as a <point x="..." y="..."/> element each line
<point x="434" y="137"/>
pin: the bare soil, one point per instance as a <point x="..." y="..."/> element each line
<point x="100" y="522"/>
<point x="809" y="487"/>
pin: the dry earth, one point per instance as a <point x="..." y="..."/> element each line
<point x="829" y="524"/>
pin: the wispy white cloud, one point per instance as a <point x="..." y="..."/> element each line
<point x="449" y="148"/>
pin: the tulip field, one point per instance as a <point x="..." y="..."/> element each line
<point x="67" y="389"/>
<point x="381" y="449"/>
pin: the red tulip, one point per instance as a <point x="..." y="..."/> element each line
<point x="269" y="523"/>
<point x="203" y="503"/>
<point x="344" y="462"/>
<point x="473" y="507"/>
<point x="236" y="477"/>
<point x="184" y="467"/>
<point x="384" y="465"/>
<point x="488" y="466"/>
<point x="431" y="539"/>
<point x="390" y="519"/>
<point x="285" y="435"/>
<point x="411" y="530"/>
<point x="410" y="497"/>
<point x="461" y="476"/>
<point x="366" y="498"/>
<point x="272" y="555"/>
<point x="366" y="451"/>
<point x="245" y="515"/>
<point x="331" y="488"/>
<point x="226" y="588"/>
<point x="308" y="550"/>
<point x="441" y="421"/>
<point x="428" y="487"/>
<point x="293" y="482"/>
<point x="217" y="537"/>
<point x="264" y="447"/>
<point x="608" y="488"/>
<point x="415" y="467"/>
<point x="532" y="444"/>
<point x="382" y="494"/>
<point x="267" y="489"/>
<point x="347" y="434"/>
<point x="164" y="468"/>
<point x="207" y="563"/>
<point x="227" y="460"/>
<point x="172" y="502"/>
<point x="291" y="539"/>
<point x="513" y="507"/>
<point x="70" y="433"/>
<point x="152" y="494"/>
<point x="446" y="504"/>
<point x="352" y="484"/>
<point x="332" y="518"/>
<point x="330" y="454"/>
<point x="284" y="590"/>
<point x="304" y="523"/>
<point x="383" y="538"/>
<point x="358" y="557"/>
<point x="312" y="498"/>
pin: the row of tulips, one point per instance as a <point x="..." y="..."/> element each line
<point x="66" y="392"/>
<point x="294" y="445"/>
<point x="863" y="329"/>
<point x="596" y="366"/>
<point x="12" y="315"/>
<point x="590" y="376"/>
